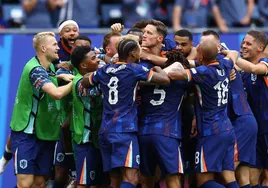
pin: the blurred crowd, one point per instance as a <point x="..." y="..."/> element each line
<point x="102" y="13"/>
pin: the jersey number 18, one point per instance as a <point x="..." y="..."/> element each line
<point x="222" y="90"/>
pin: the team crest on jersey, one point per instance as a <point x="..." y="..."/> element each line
<point x="50" y="106"/>
<point x="23" y="163"/>
<point x="145" y="69"/>
<point x="253" y="77"/>
<point x="193" y="70"/>
<point x="138" y="159"/>
<point x="92" y="175"/>
<point x="60" y="157"/>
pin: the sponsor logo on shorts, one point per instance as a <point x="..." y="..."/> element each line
<point x="92" y="175"/>
<point x="60" y="157"/>
<point x="23" y="163"/>
<point x="138" y="159"/>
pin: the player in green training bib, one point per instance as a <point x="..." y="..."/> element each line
<point x="35" y="122"/>
<point x="88" y="157"/>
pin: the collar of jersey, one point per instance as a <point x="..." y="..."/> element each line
<point x="214" y="63"/>
<point x="121" y="62"/>
<point x="65" y="47"/>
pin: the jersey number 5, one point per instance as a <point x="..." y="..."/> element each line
<point x="222" y="89"/>
<point x="162" y="96"/>
<point x="113" y="92"/>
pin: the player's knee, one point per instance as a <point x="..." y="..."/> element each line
<point x="40" y="182"/>
<point x="41" y="185"/>
<point x="24" y="181"/>
<point x="25" y="184"/>
<point x="61" y="174"/>
<point x="254" y="177"/>
<point x="173" y="180"/>
<point x="242" y="177"/>
<point x="131" y="175"/>
<point x="228" y="176"/>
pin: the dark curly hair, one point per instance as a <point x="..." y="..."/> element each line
<point x="79" y="54"/>
<point x="176" y="55"/>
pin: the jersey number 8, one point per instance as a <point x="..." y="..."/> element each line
<point x="113" y="92"/>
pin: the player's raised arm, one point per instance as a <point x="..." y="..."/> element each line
<point x="85" y="81"/>
<point x="260" y="68"/>
<point x="231" y="54"/>
<point x="155" y="59"/>
<point x="57" y="92"/>
<point x="179" y="73"/>
<point x="159" y="76"/>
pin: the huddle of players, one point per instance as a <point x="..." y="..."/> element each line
<point x="141" y="137"/>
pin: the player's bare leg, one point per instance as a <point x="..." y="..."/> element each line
<point x="229" y="178"/>
<point x="115" y="179"/>
<point x="39" y="182"/>
<point x="265" y="178"/>
<point x="242" y="175"/>
<point x="254" y="176"/>
<point x="61" y="174"/>
<point x="25" y="180"/>
<point x="130" y="176"/>
<point x="147" y="181"/>
<point x="206" y="179"/>
<point x="173" y="180"/>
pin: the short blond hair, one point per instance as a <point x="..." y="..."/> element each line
<point x="128" y="36"/>
<point x="40" y="36"/>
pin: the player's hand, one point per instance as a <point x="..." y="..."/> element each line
<point x="114" y="59"/>
<point x="65" y="65"/>
<point x="144" y="54"/>
<point x="232" y="75"/>
<point x="117" y="27"/>
<point x="66" y="77"/>
<point x="194" y="128"/>
<point x="157" y="69"/>
<point x="229" y="52"/>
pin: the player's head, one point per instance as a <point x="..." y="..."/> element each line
<point x="129" y="51"/>
<point x="45" y="44"/>
<point x="241" y="51"/>
<point x="136" y="31"/>
<point x="253" y="45"/>
<point x="84" y="59"/>
<point x="140" y="24"/>
<point x="82" y="41"/>
<point x="176" y="56"/>
<point x="211" y="35"/>
<point x="207" y="51"/>
<point x="154" y="34"/>
<point x="184" y="40"/>
<point x="68" y="31"/>
<point x="265" y="52"/>
<point x="109" y="43"/>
